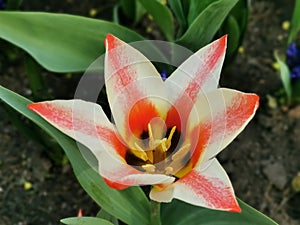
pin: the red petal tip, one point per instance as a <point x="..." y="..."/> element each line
<point x="79" y="214"/>
<point x="236" y="209"/>
<point x="32" y="106"/>
<point x="223" y="40"/>
<point x="111" y="41"/>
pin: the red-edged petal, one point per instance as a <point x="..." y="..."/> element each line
<point x="87" y="124"/>
<point x="134" y="87"/>
<point x="198" y="74"/>
<point x="84" y="121"/>
<point x="209" y="187"/>
<point x="119" y="175"/>
<point x="222" y="115"/>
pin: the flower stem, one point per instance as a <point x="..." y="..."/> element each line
<point x="155" y="213"/>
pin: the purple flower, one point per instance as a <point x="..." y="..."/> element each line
<point x="295" y="72"/>
<point x="163" y="75"/>
<point x="293" y="60"/>
<point x="293" y="55"/>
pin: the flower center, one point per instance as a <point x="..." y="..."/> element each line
<point x="158" y="155"/>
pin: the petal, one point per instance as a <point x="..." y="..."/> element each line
<point x="84" y="121"/>
<point x="130" y="80"/>
<point x="209" y="187"/>
<point x="119" y="174"/>
<point x="221" y="115"/>
<point x="198" y="74"/>
<point x="87" y="123"/>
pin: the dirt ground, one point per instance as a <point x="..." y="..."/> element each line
<point x="261" y="162"/>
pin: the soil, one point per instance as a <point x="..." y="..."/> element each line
<point x="261" y="161"/>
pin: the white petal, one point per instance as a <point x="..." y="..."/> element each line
<point x="217" y="118"/>
<point x="209" y="187"/>
<point x="130" y="79"/>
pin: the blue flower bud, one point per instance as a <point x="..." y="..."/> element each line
<point x="293" y="55"/>
<point x="295" y="72"/>
<point x="163" y="75"/>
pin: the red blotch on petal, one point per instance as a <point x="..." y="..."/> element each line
<point x="58" y="115"/>
<point x="213" y="190"/>
<point x="140" y="115"/>
<point x="111" y="137"/>
<point x="115" y="185"/>
<point x="194" y="86"/>
<point x="200" y="137"/>
<point x="185" y="102"/>
<point x="241" y="109"/>
<point x="66" y="118"/>
<point x="173" y="118"/>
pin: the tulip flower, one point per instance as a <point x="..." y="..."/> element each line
<point x="164" y="133"/>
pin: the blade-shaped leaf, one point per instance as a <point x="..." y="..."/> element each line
<point x="85" y="221"/>
<point x="285" y="77"/>
<point x="187" y="214"/>
<point x="195" y="9"/>
<point x="231" y="28"/>
<point x="133" y="10"/>
<point x="295" y="22"/>
<point x="106" y="216"/>
<point x="205" y="26"/>
<point x="241" y="13"/>
<point x="130" y="205"/>
<point x="177" y="7"/>
<point x="60" y="42"/>
<point x="162" y="16"/>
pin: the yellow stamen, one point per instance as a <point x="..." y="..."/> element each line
<point x="169" y="170"/>
<point x="168" y="142"/>
<point x="149" y="168"/>
<point x="163" y="146"/>
<point x="185" y="170"/>
<point x="151" y="138"/>
<point x="181" y="152"/>
<point x="139" y="152"/>
<point x="150" y="156"/>
<point x="156" y="150"/>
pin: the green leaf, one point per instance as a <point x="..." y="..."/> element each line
<point x="231" y="28"/>
<point x="133" y="10"/>
<point x="128" y="8"/>
<point x="36" y="80"/>
<point x="130" y="205"/>
<point x="295" y="22"/>
<point x="85" y="221"/>
<point x="241" y="12"/>
<point x="106" y="216"/>
<point x="177" y="7"/>
<point x="180" y="213"/>
<point x="116" y="14"/>
<point x="285" y="77"/>
<point x="162" y="16"/>
<point x="196" y="7"/>
<point x="205" y="26"/>
<point x="139" y="11"/>
<point x="60" y="42"/>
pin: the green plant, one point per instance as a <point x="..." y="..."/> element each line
<point x="289" y="64"/>
<point x="193" y="23"/>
